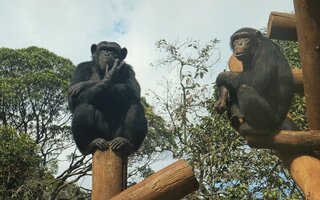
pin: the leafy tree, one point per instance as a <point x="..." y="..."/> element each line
<point x="151" y="151"/>
<point x="224" y="165"/>
<point x="33" y="90"/>
<point x="22" y="175"/>
<point x="33" y="94"/>
<point x="182" y="104"/>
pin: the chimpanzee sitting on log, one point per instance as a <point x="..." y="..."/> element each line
<point x="105" y="102"/>
<point x="260" y="96"/>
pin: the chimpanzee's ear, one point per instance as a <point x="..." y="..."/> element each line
<point x="123" y="53"/>
<point x="259" y="36"/>
<point x="93" y="48"/>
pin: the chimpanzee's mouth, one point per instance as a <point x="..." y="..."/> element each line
<point x="239" y="54"/>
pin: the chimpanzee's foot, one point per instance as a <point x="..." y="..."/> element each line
<point x="220" y="106"/>
<point x="288" y="124"/>
<point x="236" y="117"/>
<point x="98" y="143"/>
<point x="245" y="129"/>
<point x="121" y="142"/>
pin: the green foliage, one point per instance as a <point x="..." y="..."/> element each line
<point x="157" y="140"/>
<point x="33" y="94"/>
<point x="21" y="176"/>
<point x="33" y="89"/>
<point x="224" y="165"/>
<point x="182" y="102"/>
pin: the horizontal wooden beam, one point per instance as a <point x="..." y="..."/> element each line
<point x="236" y="66"/>
<point x="305" y="169"/>
<point x="289" y="141"/>
<point x="173" y="182"/>
<point x="282" y="26"/>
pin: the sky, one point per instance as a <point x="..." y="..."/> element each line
<point x="69" y="27"/>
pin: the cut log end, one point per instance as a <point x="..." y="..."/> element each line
<point x="282" y="26"/>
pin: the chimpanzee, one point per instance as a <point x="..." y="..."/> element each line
<point x="104" y="99"/>
<point x="261" y="95"/>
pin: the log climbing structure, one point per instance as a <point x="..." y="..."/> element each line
<point x="296" y="148"/>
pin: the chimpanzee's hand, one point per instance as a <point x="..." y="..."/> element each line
<point x="75" y="89"/>
<point x="115" y="68"/>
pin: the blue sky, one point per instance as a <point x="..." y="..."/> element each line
<point x="68" y="28"/>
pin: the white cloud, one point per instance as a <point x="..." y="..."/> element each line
<point x="68" y="28"/>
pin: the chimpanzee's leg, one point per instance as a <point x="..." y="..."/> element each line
<point x="89" y="129"/>
<point x="256" y="110"/>
<point x="132" y="131"/>
<point x="235" y="116"/>
<point x="221" y="103"/>
<point x="288" y="124"/>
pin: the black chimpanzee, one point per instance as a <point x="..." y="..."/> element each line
<point x="261" y="94"/>
<point x="105" y="102"/>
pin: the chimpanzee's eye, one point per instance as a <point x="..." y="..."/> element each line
<point x="246" y="40"/>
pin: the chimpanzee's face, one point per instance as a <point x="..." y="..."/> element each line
<point x="105" y="53"/>
<point x="106" y="57"/>
<point x="241" y="45"/>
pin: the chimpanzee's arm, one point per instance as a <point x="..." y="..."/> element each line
<point x="231" y="80"/>
<point x="79" y="81"/>
<point x="78" y="87"/>
<point x="128" y="86"/>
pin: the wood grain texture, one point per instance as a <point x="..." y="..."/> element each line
<point x="290" y="141"/>
<point x="109" y="174"/>
<point x="173" y="182"/>
<point x="282" y="26"/>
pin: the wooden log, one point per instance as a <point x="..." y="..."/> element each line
<point x="308" y="27"/>
<point x="173" y="182"/>
<point x="282" y="26"/>
<point x="235" y="65"/>
<point x="109" y="174"/>
<point x="298" y="81"/>
<point x="290" y="141"/>
<point x="305" y="169"/>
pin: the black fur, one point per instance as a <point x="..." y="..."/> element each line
<point x="105" y="102"/>
<point x="261" y="95"/>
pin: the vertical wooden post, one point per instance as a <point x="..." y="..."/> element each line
<point x="305" y="169"/>
<point x="308" y="31"/>
<point x="109" y="174"/>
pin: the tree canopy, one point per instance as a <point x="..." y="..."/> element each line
<point x="224" y="164"/>
<point x="33" y="90"/>
<point x="35" y="133"/>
